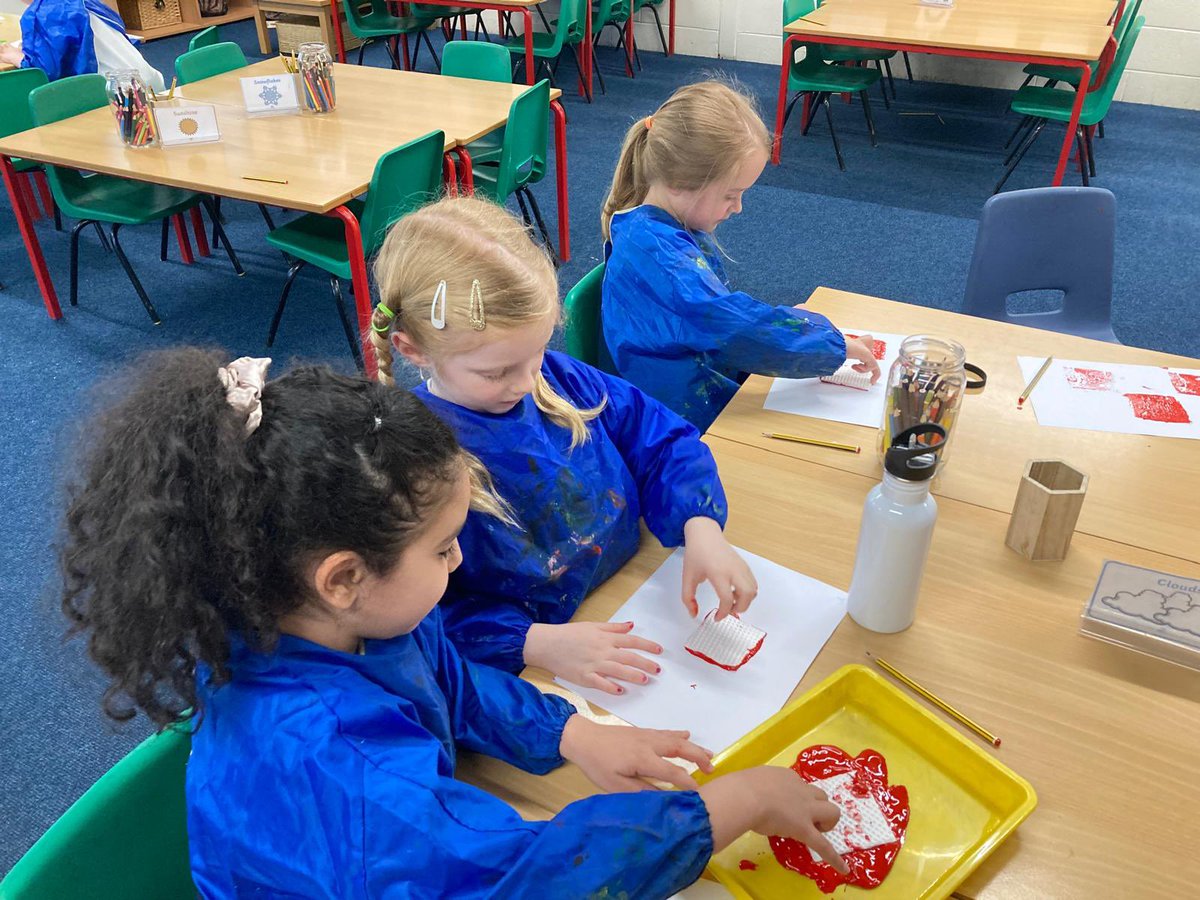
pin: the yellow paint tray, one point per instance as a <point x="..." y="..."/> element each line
<point x="964" y="802"/>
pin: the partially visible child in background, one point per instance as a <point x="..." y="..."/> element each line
<point x="580" y="456"/>
<point x="671" y="323"/>
<point x="265" y="559"/>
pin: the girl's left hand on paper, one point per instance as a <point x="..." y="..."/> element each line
<point x="707" y="556"/>
<point x="11" y="54"/>
<point x="618" y="757"/>
<point x="592" y="654"/>
<point x="862" y="350"/>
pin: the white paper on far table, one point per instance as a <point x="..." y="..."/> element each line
<point x="813" y="397"/>
<point x="798" y="614"/>
<point x="1104" y="396"/>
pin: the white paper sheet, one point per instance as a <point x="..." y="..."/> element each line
<point x="798" y="614"/>
<point x="1104" y="396"/>
<point x="813" y="397"/>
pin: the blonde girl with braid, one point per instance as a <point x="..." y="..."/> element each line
<point x="672" y="323"/>
<point x="579" y="457"/>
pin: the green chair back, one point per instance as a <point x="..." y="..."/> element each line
<point x="60" y="100"/>
<point x="1096" y="104"/>
<point x="15" y="87"/>
<point x="206" y="62"/>
<point x="583" y="336"/>
<point x="205" y="38"/>
<point x="126" y="837"/>
<point x="522" y="159"/>
<point x="480" y="60"/>
<point x="405" y="178"/>
<point x="367" y="24"/>
<point x="609" y="12"/>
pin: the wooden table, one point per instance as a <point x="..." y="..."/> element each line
<point x="326" y="160"/>
<point x="1107" y="737"/>
<point x="1008" y="30"/>
<point x="1134" y="493"/>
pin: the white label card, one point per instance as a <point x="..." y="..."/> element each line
<point x="186" y="123"/>
<point x="270" y="94"/>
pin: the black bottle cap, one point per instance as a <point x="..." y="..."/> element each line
<point x="913" y="461"/>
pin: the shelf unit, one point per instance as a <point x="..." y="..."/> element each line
<point x="239" y="10"/>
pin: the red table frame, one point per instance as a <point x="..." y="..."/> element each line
<point x="789" y="50"/>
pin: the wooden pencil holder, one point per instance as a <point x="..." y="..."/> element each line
<point x="1046" y="510"/>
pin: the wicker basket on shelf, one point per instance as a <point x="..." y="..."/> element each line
<point x="143" y="15"/>
<point x="292" y="31"/>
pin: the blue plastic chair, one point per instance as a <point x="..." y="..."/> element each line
<point x="1020" y="247"/>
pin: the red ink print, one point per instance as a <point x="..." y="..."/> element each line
<point x="869" y="867"/>
<point x="746" y="865"/>
<point x="1158" y="408"/>
<point x="1088" y="379"/>
<point x="878" y="349"/>
<point x="745" y="659"/>
<point x="1185" y="384"/>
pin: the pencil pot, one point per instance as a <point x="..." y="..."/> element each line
<point x="130" y="102"/>
<point x="316" y="77"/>
<point x="925" y="384"/>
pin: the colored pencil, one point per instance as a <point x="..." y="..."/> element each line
<point x="1033" y="383"/>
<point x="795" y="438"/>
<point x="267" y="180"/>
<point x="937" y="701"/>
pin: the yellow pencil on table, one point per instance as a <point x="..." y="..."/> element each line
<point x="1033" y="383"/>
<point x="937" y="701"/>
<point x="267" y="180"/>
<point x="832" y="445"/>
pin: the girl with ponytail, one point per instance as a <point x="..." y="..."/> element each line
<point x="671" y="323"/>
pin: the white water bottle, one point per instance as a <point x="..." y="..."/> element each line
<point x="897" y="527"/>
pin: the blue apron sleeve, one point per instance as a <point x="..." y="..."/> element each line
<point x="675" y="471"/>
<point x="56" y="37"/>
<point x="486" y="631"/>
<point x="496" y="713"/>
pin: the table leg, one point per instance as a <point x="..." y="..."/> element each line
<point x="671" y="31"/>
<point x="336" y="21"/>
<point x="29" y="236"/>
<point x="39" y="178"/>
<point x="789" y="50"/>
<point x="586" y="54"/>
<point x="185" y="246"/>
<point x="560" y="170"/>
<point x="629" y="46"/>
<point x="260" y="25"/>
<point x="468" y="170"/>
<point x="362" y="287"/>
<point x="198" y="230"/>
<point x="449" y="175"/>
<point x="529" y="67"/>
<point x="28" y="196"/>
<point x="1069" y="137"/>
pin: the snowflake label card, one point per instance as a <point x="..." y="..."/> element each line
<point x="1148" y="611"/>
<point x="185" y="122"/>
<point x="269" y="95"/>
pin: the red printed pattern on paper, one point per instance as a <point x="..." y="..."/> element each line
<point x="1088" y="379"/>
<point x="1185" y="384"/>
<point x="1158" y="408"/>
<point x="868" y="867"/>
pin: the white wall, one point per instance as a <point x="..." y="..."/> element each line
<point x="1164" y="69"/>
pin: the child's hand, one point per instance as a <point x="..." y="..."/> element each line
<point x="592" y="654"/>
<point x="862" y="350"/>
<point x="617" y="757"/>
<point x="707" y="556"/>
<point x="11" y="55"/>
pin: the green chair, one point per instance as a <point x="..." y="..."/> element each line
<point x="15" y="87"/>
<point x="817" y="79"/>
<point x="482" y="61"/>
<point x="378" y="23"/>
<point x="447" y="15"/>
<point x="404" y="179"/>
<point x="583" y="336"/>
<point x="522" y="157"/>
<point x="614" y="13"/>
<point x="567" y="31"/>
<point x="1045" y="104"/>
<point x="205" y="62"/>
<point x="654" y="5"/>
<point x="205" y="38"/>
<point x="124" y="839"/>
<point x="845" y="55"/>
<point x="106" y="198"/>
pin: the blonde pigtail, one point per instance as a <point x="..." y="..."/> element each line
<point x="628" y="185"/>
<point x="381" y="326"/>
<point x="484" y="496"/>
<point x="563" y="413"/>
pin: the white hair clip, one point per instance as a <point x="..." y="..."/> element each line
<point x="438" y="319"/>
<point x="477" y="318"/>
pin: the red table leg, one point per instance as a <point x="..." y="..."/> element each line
<point x="671" y="31"/>
<point x="198" y="230"/>
<point x="336" y="15"/>
<point x="468" y="176"/>
<point x="560" y="169"/>
<point x="529" y="67"/>
<point x="29" y="236"/>
<point x="362" y="287"/>
<point x="185" y="246"/>
<point x="44" y="190"/>
<point x="629" y="46"/>
<point x="1069" y="137"/>
<point x="585" y="55"/>
<point x="449" y="175"/>
<point x="789" y="50"/>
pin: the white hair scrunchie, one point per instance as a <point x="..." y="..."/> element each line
<point x="243" y="380"/>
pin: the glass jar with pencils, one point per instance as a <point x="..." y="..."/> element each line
<point x="130" y="102"/>
<point x="315" y="72"/>
<point x="925" y="384"/>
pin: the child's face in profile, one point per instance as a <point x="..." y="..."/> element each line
<point x="497" y="374"/>
<point x="395" y="603"/>
<point x="706" y="208"/>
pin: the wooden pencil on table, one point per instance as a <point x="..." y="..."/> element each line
<point x="937" y="701"/>
<point x="795" y="438"/>
<point x="1033" y="382"/>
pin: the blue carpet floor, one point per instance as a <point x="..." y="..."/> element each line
<point x="900" y="223"/>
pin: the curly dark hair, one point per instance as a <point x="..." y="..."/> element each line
<point x="181" y="529"/>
